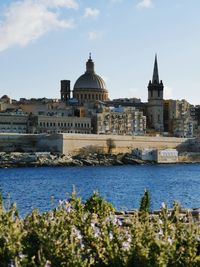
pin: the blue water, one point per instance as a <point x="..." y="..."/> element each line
<point x="123" y="186"/>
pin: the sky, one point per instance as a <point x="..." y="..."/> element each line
<point x="45" y="41"/>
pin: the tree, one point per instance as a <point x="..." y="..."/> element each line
<point x="145" y="202"/>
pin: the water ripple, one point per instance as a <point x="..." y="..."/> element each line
<point x="123" y="186"/>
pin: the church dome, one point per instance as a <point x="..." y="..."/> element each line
<point x="90" y="81"/>
<point x="90" y="86"/>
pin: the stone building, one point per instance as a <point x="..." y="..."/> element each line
<point x="177" y="118"/>
<point x="195" y="113"/>
<point x="90" y="87"/>
<point x="120" y="121"/>
<point x="14" y="121"/>
<point x="155" y="101"/>
<point x="59" y="124"/>
<point x="183" y="127"/>
<point x="5" y="103"/>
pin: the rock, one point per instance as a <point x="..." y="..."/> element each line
<point x="17" y="159"/>
<point x="87" y="162"/>
<point x="130" y="159"/>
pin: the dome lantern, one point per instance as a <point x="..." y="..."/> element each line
<point x="90" y="65"/>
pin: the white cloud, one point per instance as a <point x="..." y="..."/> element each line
<point x="60" y="3"/>
<point x="144" y="4"/>
<point x="91" y="12"/>
<point x="168" y="93"/>
<point x="94" y="35"/>
<point x="26" y="20"/>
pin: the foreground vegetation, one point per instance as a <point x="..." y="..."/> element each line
<point x="91" y="234"/>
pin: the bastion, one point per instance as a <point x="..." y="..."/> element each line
<point x="75" y="143"/>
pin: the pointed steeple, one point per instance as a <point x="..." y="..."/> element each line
<point x="90" y="65"/>
<point x="155" y="78"/>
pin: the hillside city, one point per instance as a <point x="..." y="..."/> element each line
<point x="87" y="109"/>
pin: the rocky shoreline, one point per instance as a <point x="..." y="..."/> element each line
<point x="41" y="159"/>
<point x="185" y="215"/>
<point x="38" y="159"/>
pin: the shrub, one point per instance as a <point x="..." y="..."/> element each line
<point x="78" y="234"/>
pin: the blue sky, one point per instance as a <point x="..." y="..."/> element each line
<point x="45" y="41"/>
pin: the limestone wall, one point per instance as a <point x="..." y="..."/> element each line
<point x="31" y="143"/>
<point x="73" y="143"/>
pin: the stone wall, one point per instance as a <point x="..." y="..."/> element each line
<point x="120" y="144"/>
<point x="31" y="143"/>
<point x="74" y="143"/>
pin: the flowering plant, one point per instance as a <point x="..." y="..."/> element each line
<point x="93" y="234"/>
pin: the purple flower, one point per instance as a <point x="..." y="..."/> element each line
<point x="125" y="245"/>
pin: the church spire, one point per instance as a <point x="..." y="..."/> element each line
<point x="155" y="78"/>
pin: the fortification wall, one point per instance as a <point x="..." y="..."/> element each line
<point x="31" y="143"/>
<point x="74" y="143"/>
<point x="121" y="144"/>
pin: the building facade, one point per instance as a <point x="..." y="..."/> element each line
<point x="59" y="124"/>
<point x="177" y="118"/>
<point x="120" y="121"/>
<point x="13" y="122"/>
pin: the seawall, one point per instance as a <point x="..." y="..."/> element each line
<point x="117" y="143"/>
<point x="79" y="143"/>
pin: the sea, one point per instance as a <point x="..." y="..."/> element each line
<point x="123" y="186"/>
